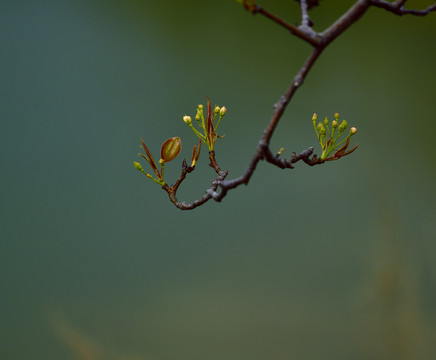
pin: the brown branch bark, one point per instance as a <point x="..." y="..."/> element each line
<point x="172" y="190"/>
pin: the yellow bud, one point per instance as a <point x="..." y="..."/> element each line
<point x="321" y="129"/>
<point x="161" y="162"/>
<point x="314" y="117"/>
<point x="187" y="119"/>
<point x="137" y="165"/>
<point x="343" y="126"/>
<point x="337" y="116"/>
<point x="353" y="130"/>
<point x="334" y="124"/>
<point x="223" y="111"/>
<point x="217" y="109"/>
<point x="200" y="106"/>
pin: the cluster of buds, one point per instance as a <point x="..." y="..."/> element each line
<point x="168" y="152"/>
<point x="208" y="126"/>
<point x="170" y="149"/>
<point x="328" y="138"/>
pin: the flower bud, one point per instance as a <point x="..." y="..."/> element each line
<point x="187" y="119"/>
<point x="197" y="117"/>
<point x="170" y="149"/>
<point x="217" y="109"/>
<point x="343" y="126"/>
<point x="334" y="124"/>
<point x="161" y="162"/>
<point x="353" y="130"/>
<point x="137" y="165"/>
<point x="337" y="116"/>
<point x="321" y="129"/>
<point x="326" y="121"/>
<point x="223" y="111"/>
<point x="314" y="117"/>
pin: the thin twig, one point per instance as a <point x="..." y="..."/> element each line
<point x="172" y="190"/>
<point x="345" y="21"/>
<point x="305" y="20"/>
<point x="307" y="34"/>
<point x="398" y="9"/>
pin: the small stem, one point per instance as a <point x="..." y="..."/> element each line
<point x="201" y="136"/>
<point x="305" y="35"/>
<point x="305" y="20"/>
<point x="218" y="122"/>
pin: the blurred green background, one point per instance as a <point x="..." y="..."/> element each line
<point x="331" y="262"/>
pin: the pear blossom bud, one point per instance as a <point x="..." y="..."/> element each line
<point x="321" y="129"/>
<point x="137" y="165"/>
<point x="343" y="126"/>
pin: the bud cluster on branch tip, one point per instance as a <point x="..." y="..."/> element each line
<point x="329" y="139"/>
<point x="171" y="147"/>
<point x="207" y="125"/>
<point x="168" y="152"/>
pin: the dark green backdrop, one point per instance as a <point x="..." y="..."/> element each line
<point x="332" y="262"/>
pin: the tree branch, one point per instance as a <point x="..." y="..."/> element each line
<point x="172" y="190"/>
<point x="397" y="8"/>
<point x="319" y="41"/>
<point x="303" y="32"/>
<point x="344" y="22"/>
<point x="305" y="19"/>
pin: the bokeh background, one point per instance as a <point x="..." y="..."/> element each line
<point x="332" y="262"/>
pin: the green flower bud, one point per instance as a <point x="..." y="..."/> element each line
<point x="321" y="129"/>
<point x="334" y="124"/>
<point x="187" y="119"/>
<point x="223" y="111"/>
<point x="197" y="117"/>
<point x="337" y="116"/>
<point x="161" y="162"/>
<point x="343" y="126"/>
<point x="137" y="166"/>
<point x="200" y="106"/>
<point x="326" y="121"/>
<point x="314" y="117"/>
<point x="216" y="110"/>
